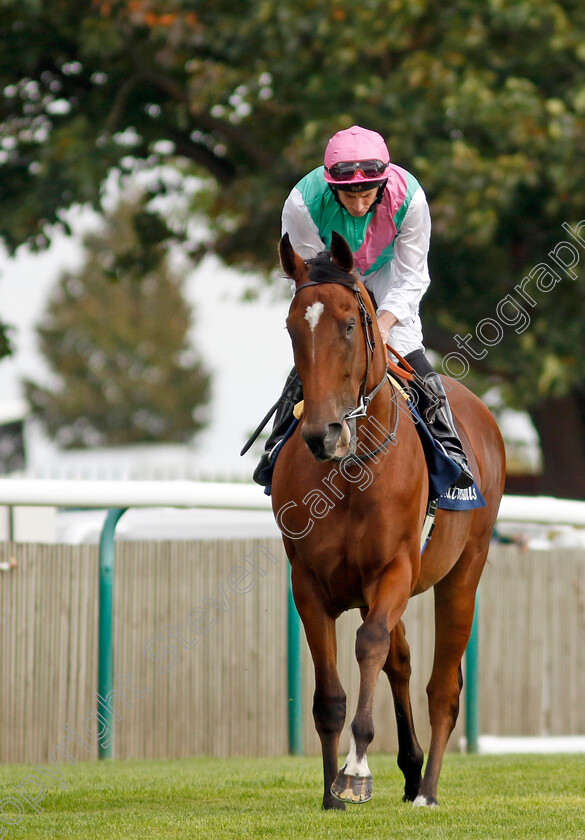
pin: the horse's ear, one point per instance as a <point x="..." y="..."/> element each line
<point x="341" y="252"/>
<point x="292" y="264"/>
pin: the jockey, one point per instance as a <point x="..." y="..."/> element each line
<point x="382" y="212"/>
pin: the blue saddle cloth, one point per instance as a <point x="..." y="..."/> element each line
<point x="442" y="470"/>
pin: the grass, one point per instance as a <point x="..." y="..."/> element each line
<point x="524" y="797"/>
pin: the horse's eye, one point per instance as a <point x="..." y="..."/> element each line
<point x="349" y="328"/>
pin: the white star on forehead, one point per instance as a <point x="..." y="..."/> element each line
<point x="313" y="313"/>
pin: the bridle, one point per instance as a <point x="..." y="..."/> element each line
<point x="366" y="321"/>
<point x="365" y="397"/>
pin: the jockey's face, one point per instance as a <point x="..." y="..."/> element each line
<point x="357" y="204"/>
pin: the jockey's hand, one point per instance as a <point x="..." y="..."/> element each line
<point x="386" y="320"/>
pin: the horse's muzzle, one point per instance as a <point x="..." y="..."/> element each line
<point x="327" y="442"/>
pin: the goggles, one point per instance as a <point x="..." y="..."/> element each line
<point x="345" y="170"/>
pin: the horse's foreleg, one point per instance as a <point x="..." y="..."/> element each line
<point x="454" y="607"/>
<point x="410" y="754"/>
<point x="353" y="783"/>
<point x="329" y="696"/>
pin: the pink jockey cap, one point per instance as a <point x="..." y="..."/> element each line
<point x="356" y="144"/>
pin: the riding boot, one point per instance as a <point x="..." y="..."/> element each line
<point x="435" y="410"/>
<point x="292" y="394"/>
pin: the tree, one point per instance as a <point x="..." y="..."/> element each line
<point x="115" y="336"/>
<point x="484" y="102"/>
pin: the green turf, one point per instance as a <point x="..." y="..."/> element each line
<point x="522" y="797"/>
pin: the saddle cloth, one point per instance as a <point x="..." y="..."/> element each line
<point x="443" y="472"/>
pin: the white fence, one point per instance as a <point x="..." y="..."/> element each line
<point x="234" y="496"/>
<point x="125" y="494"/>
<point x="229" y="496"/>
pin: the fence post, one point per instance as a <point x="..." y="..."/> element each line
<point x="105" y="624"/>
<point x="295" y="680"/>
<point x="472" y="684"/>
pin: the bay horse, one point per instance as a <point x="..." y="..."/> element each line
<point x="351" y="504"/>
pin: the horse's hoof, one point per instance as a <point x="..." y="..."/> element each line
<point x="425" y="802"/>
<point x="353" y="789"/>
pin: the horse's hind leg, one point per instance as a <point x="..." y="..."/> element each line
<point x="454" y="608"/>
<point x="410" y="754"/>
<point x="329" y="697"/>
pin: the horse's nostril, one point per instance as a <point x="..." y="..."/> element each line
<point x="333" y="433"/>
<point x="322" y="440"/>
<point x="315" y="444"/>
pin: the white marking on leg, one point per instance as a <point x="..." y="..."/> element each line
<point x="354" y="766"/>
<point x="423" y="802"/>
<point x="313" y="313"/>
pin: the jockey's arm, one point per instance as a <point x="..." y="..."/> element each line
<point x="302" y="230"/>
<point x="399" y="285"/>
<point x="386" y="320"/>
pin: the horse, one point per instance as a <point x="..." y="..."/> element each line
<point x="349" y="492"/>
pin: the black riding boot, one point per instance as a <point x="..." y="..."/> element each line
<point x="292" y="394"/>
<point x="441" y="425"/>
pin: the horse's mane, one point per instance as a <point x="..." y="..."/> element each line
<point x="322" y="269"/>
